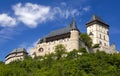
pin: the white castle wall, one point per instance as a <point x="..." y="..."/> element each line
<point x="100" y="34"/>
<point x="49" y="47"/>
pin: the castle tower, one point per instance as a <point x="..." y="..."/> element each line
<point x="98" y="30"/>
<point x="74" y="37"/>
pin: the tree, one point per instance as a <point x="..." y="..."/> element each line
<point x="96" y="46"/>
<point x="86" y="39"/>
<point x="59" y="50"/>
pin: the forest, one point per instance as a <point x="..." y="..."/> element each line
<point x="74" y="63"/>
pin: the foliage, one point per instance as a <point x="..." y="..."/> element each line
<point x="96" y="46"/>
<point x="86" y="39"/>
<point x="59" y="50"/>
<point x="74" y="64"/>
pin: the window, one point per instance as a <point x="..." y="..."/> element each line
<point x="104" y="37"/>
<point x="107" y="33"/>
<point x="105" y="44"/>
<point x="91" y="33"/>
<point x="100" y="43"/>
<point x="40" y="50"/>
<point x="100" y="36"/>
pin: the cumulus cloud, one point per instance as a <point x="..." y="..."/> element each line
<point x="7" y="21"/>
<point x="32" y="14"/>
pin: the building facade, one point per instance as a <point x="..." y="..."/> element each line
<point x="98" y="30"/>
<point x="16" y="54"/>
<point x="68" y="36"/>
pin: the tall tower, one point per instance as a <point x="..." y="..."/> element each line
<point x="74" y="37"/>
<point x="98" y="30"/>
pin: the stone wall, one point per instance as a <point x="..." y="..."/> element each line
<point x="49" y="47"/>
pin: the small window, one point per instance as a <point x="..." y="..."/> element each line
<point x="40" y="50"/>
<point x="100" y="36"/>
<point x="100" y="43"/>
<point x="104" y="37"/>
<point x="107" y="33"/>
<point x="105" y="44"/>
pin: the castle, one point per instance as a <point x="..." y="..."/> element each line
<point x="16" y="54"/>
<point x="69" y="36"/>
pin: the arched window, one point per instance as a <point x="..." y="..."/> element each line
<point x="40" y="50"/>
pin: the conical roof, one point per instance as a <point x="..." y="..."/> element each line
<point x="73" y="25"/>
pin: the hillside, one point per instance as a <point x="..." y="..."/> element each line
<point x="65" y="64"/>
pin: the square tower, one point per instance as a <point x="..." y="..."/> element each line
<point x="98" y="30"/>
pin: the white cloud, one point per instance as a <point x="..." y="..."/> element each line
<point x="32" y="14"/>
<point x="65" y="12"/>
<point x="87" y="8"/>
<point x="7" y="21"/>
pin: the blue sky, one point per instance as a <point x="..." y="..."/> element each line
<point x="24" y="22"/>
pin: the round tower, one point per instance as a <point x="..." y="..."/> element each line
<point x="74" y="36"/>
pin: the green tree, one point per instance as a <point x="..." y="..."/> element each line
<point x="86" y="39"/>
<point x="96" y="46"/>
<point x="59" y="50"/>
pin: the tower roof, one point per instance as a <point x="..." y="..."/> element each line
<point x="95" y="17"/>
<point x="17" y="50"/>
<point x="71" y="26"/>
<point x="96" y="20"/>
<point x="67" y="29"/>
